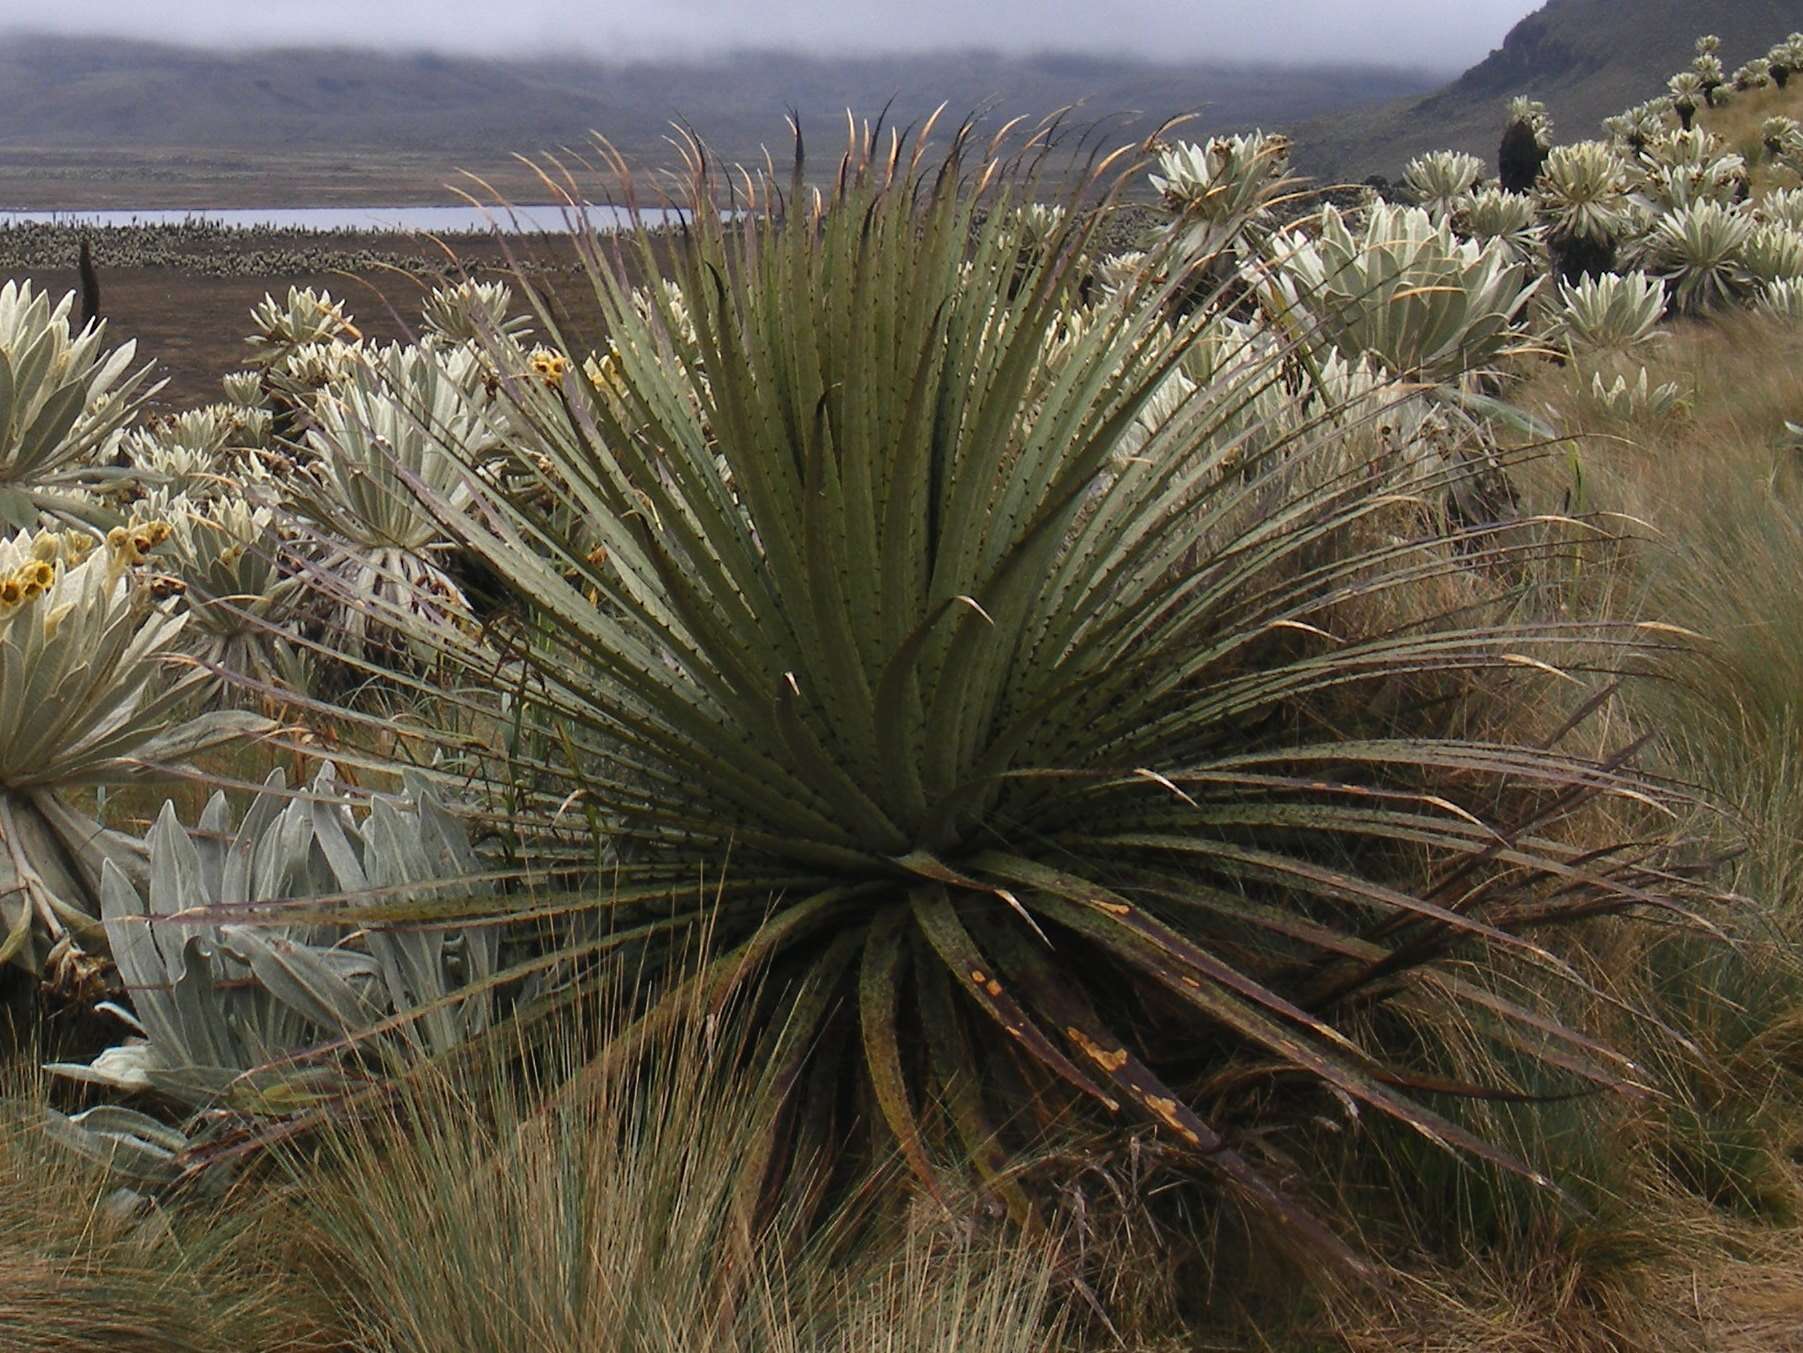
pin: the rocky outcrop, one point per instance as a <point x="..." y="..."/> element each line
<point x="1538" y="50"/>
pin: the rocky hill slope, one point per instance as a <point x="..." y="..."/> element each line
<point x="1586" y="59"/>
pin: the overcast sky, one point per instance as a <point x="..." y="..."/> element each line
<point x="1447" y="34"/>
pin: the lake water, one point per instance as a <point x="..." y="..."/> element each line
<point x="432" y="220"/>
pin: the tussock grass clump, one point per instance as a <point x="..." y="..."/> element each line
<point x="85" y="1266"/>
<point x="1682" y="1186"/>
<point x="1719" y="492"/>
<point x="489" y="1215"/>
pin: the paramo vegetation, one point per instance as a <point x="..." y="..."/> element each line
<point x="930" y="784"/>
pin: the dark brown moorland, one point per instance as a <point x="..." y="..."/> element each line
<point x="194" y="325"/>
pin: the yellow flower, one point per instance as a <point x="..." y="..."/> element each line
<point x="550" y="367"/>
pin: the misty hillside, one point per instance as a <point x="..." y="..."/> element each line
<point x="1587" y="59"/>
<point x="109" y="94"/>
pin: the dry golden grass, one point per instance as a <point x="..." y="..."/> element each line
<point x="1682" y="1235"/>
<point x="1696" y="1283"/>
<point x="1691" y="1242"/>
<point x="1712" y="493"/>
<point x="1739" y="125"/>
<point x="483" y="1217"/>
<point x="1754" y="1302"/>
<point x="1740" y="380"/>
<point x="84" y="1271"/>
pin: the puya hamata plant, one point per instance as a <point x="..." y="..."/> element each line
<point x="1008" y="734"/>
<point x="1041" y="647"/>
